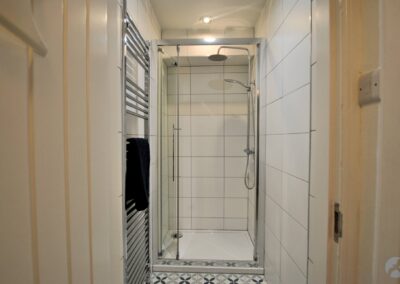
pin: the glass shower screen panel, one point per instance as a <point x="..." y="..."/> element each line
<point x="169" y="127"/>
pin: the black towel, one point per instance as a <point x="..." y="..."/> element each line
<point x="137" y="172"/>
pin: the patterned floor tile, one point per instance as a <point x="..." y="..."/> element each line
<point x="205" y="278"/>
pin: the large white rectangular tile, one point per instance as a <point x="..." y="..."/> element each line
<point x="235" y="224"/>
<point x="275" y="150"/>
<point x="295" y="198"/>
<point x="208" y="146"/>
<point x="296" y="67"/>
<point x="274" y="84"/>
<point x="235" y="208"/>
<point x="185" y="166"/>
<point x="207" y="167"/>
<point x="178" y="70"/>
<point x="273" y="217"/>
<point x="296" y="110"/>
<point x="235" y="125"/>
<point x="235" y="104"/>
<point x="296" y="155"/>
<point x="206" y="83"/>
<point x="297" y="25"/>
<point x="207" y="223"/>
<point x="274" y="184"/>
<point x="275" y="117"/>
<point x="184" y="125"/>
<point x="206" y="69"/>
<point x="185" y="205"/>
<point x="207" y="125"/>
<point x="184" y="84"/>
<point x="290" y="273"/>
<point x="182" y="100"/>
<point x="184" y="223"/>
<point x="236" y="69"/>
<point x="288" y="6"/>
<point x="208" y="187"/>
<point x="185" y="146"/>
<point x="234" y="187"/>
<point x="314" y="33"/>
<point x="273" y="252"/>
<point x="275" y="50"/>
<point x="235" y="145"/>
<point x="207" y="207"/>
<point x="235" y="166"/>
<point x="207" y="104"/>
<point x="185" y="187"/>
<point x="274" y="17"/>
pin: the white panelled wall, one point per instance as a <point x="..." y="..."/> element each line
<point x="60" y="119"/>
<point x="294" y="132"/>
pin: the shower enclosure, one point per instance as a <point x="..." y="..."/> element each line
<point x="208" y="202"/>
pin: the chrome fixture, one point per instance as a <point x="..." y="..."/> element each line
<point x="250" y="152"/>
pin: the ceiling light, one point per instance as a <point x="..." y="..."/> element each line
<point x="206" y="20"/>
<point x="209" y="39"/>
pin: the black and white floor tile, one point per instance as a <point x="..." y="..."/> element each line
<point x="205" y="278"/>
<point x="215" y="263"/>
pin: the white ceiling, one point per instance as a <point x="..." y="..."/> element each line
<point x="186" y="14"/>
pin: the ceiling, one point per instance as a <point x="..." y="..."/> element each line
<point x="186" y="14"/>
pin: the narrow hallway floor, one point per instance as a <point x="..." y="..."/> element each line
<point x="205" y="278"/>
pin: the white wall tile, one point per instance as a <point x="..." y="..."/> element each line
<point x="184" y="125"/>
<point x="235" y="125"/>
<point x="296" y="109"/>
<point x="208" y="146"/>
<point x="185" y="146"/>
<point x="274" y="84"/>
<point x="275" y="150"/>
<point x="273" y="217"/>
<point x="273" y="251"/>
<point x="296" y="67"/>
<point x="207" y="104"/>
<point x="235" y="208"/>
<point x="274" y="184"/>
<point x="275" y="117"/>
<point x="236" y="69"/>
<point x="206" y="84"/>
<point x="275" y="51"/>
<point x="207" y="207"/>
<point x="297" y="25"/>
<point x="235" y="224"/>
<point x="207" y="125"/>
<point x="184" y="84"/>
<point x="185" y="205"/>
<point x="206" y="69"/>
<point x="290" y="273"/>
<point x="208" y="187"/>
<point x="235" y="166"/>
<point x="296" y="155"/>
<point x="234" y="187"/>
<point x="184" y="104"/>
<point x="185" y="187"/>
<point x="235" y="104"/>
<point x="184" y="223"/>
<point x="207" y="167"/>
<point x="234" y="146"/>
<point x="207" y="223"/>
<point x="294" y="239"/>
<point x="295" y="198"/>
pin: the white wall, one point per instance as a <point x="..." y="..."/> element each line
<point x="286" y="109"/>
<point x="60" y="175"/>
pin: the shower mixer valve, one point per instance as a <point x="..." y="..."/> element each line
<point x="248" y="151"/>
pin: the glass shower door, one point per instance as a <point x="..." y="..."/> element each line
<point x="168" y="195"/>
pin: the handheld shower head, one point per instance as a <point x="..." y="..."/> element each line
<point x="233" y="81"/>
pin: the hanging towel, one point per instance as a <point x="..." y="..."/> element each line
<point x="137" y="173"/>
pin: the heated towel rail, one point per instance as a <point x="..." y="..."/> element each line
<point x="136" y="86"/>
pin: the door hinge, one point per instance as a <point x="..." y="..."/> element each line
<point x="338" y="230"/>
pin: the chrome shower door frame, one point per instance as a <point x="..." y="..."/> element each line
<point x="260" y="195"/>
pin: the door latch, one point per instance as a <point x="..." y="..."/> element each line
<point x="338" y="230"/>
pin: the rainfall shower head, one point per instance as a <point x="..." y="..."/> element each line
<point x="233" y="81"/>
<point x="218" y="57"/>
